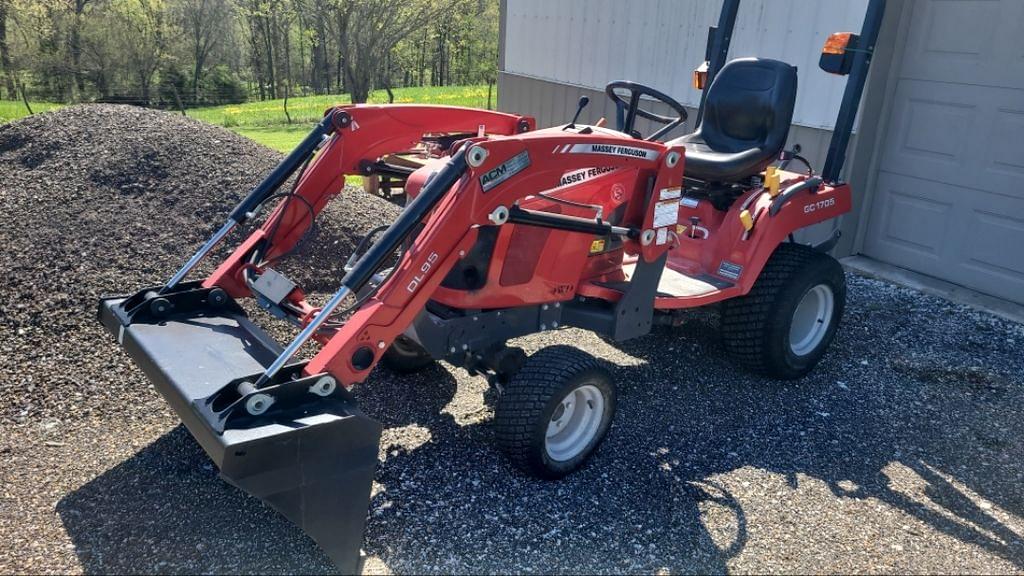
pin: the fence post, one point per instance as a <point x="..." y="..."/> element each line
<point x="24" y="99"/>
<point x="177" y="99"/>
<point x="287" y="91"/>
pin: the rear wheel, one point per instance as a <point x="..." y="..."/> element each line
<point x="784" y="326"/>
<point x="405" y="356"/>
<point x="555" y="411"/>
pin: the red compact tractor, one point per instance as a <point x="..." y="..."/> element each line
<point x="508" y="230"/>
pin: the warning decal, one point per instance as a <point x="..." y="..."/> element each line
<point x="666" y="213"/>
<point x="670" y="193"/>
<point x="729" y="270"/>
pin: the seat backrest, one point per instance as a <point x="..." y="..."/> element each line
<point x="749" y="105"/>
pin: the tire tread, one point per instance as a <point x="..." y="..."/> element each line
<point x="745" y="321"/>
<point x="526" y="396"/>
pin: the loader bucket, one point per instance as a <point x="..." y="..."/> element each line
<point x="310" y="456"/>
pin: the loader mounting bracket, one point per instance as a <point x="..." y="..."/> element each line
<point x="288" y="391"/>
<point x="148" y="305"/>
<point x="457" y="339"/>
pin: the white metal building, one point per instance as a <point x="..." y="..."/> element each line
<point x="937" y="161"/>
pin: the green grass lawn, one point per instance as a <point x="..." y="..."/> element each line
<point x="311" y="108"/>
<point x="281" y="138"/>
<point x="12" y="110"/>
<point x="266" y="123"/>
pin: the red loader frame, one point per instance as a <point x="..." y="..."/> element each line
<point x="452" y="226"/>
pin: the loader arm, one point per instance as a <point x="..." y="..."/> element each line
<point x="359" y="133"/>
<point x="456" y="214"/>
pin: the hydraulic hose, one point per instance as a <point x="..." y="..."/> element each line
<point x="285" y="169"/>
<point x="378" y="253"/>
<point x="258" y="195"/>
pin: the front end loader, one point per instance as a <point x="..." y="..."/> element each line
<point x="507" y="231"/>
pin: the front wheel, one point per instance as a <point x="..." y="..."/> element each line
<point x="405" y="356"/>
<point x="555" y="411"/>
<point x="784" y="325"/>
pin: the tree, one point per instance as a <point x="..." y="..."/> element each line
<point x="160" y="50"/>
<point x="144" y="27"/>
<point x="314" y="21"/>
<point x="39" y="45"/>
<point x="5" y="53"/>
<point x="102" y="60"/>
<point x="459" y="47"/>
<point x="205" y="23"/>
<point x="370" y="29"/>
<point x="268" y="24"/>
<point x="75" y="47"/>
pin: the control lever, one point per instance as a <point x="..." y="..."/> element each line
<point x="695" y="227"/>
<point x="579" y="108"/>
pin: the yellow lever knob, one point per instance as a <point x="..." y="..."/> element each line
<point x="773" y="185"/>
<point x="747" y="220"/>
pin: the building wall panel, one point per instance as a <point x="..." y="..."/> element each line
<point x="588" y="43"/>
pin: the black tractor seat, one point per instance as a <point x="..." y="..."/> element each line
<point x="746" y="120"/>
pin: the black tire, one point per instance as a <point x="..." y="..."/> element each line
<point x="755" y="328"/>
<point x="405" y="357"/>
<point x="529" y="401"/>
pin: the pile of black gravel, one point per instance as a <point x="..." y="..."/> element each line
<point x="104" y="200"/>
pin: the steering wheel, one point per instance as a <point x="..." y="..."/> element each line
<point x="633" y="106"/>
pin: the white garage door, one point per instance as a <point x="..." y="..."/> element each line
<point x="950" y="193"/>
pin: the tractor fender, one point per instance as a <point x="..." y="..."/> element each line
<point x="743" y="259"/>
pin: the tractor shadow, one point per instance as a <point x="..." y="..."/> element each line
<point x="869" y="426"/>
<point x="659" y="494"/>
<point x="165" y="509"/>
<point x="667" y="490"/>
<point x="453" y="504"/>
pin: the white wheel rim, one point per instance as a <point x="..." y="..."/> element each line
<point x="574" y="423"/>
<point x="811" y="320"/>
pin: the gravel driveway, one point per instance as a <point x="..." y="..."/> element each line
<point x="902" y="452"/>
